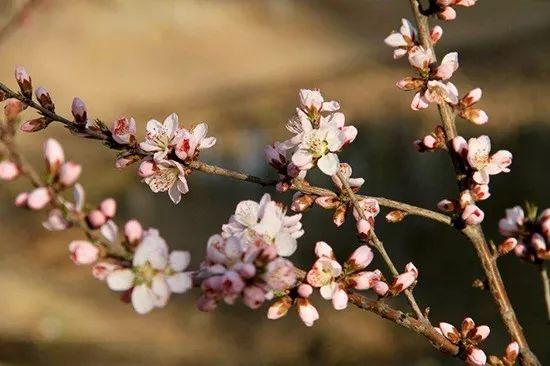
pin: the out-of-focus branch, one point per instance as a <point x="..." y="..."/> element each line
<point x="474" y="232"/>
<point x="546" y="287"/>
<point x="18" y="18"/>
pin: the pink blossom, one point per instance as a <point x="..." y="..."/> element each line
<point x="441" y="92"/>
<point x="360" y="258"/>
<point x="96" y="219"/>
<point x="83" y="252"/>
<point x="253" y="296"/>
<point x="123" y="130"/>
<point x="475" y="357"/>
<point x="447" y="67"/>
<point x="419" y="102"/>
<point x="402" y="40"/>
<point x="370" y="208"/>
<point x="8" y="170"/>
<point x="472" y="215"/>
<point x="56" y="221"/>
<point x="279" y="308"/>
<point x="365" y="280"/>
<point x="446" y="205"/>
<point x="160" y="137"/>
<point x="363" y="228"/>
<point x="511" y="352"/>
<point x="280" y="274"/>
<point x="305" y="290"/>
<point x="24" y="80"/>
<point x="38" y="198"/>
<point x="485" y="164"/>
<point x="381" y="288"/>
<point x="34" y="125"/>
<point x="405" y="279"/>
<point x="420" y="58"/>
<point x="507" y="246"/>
<point x="480" y="192"/>
<point x="511" y="224"/>
<point x="53" y="154"/>
<point x="69" y="173"/>
<point x="44" y="98"/>
<point x="339" y="299"/>
<point x="168" y="176"/>
<point x="102" y="269"/>
<point x="189" y="143"/>
<point x="21" y="199"/>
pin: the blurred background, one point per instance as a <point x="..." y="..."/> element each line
<point x="238" y="66"/>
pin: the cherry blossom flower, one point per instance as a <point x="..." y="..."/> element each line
<point x="406" y="38"/>
<point x="447" y="67"/>
<point x="166" y="176"/>
<point x="160" y="137"/>
<point x="56" y="221"/>
<point x="53" y="155"/>
<point x="154" y="275"/>
<point x="123" y="130"/>
<point x="83" y="252"/>
<point x="79" y="111"/>
<point x="484" y="164"/>
<point x="404" y="280"/>
<point x="38" y="198"/>
<point x="24" y="81"/>
<point x="189" y="143"/>
<point x="266" y="220"/>
<point x="69" y="173"/>
<point x="43" y="97"/>
<point x="278" y="155"/>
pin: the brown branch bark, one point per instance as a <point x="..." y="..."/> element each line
<point x="475" y="233"/>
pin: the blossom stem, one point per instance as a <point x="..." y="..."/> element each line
<point x="546" y="286"/>
<point x="474" y="232"/>
<point x="378" y="245"/>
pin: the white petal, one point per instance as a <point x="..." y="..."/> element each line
<point x="180" y="282"/>
<point x="329" y="164"/>
<point x="175" y="194"/>
<point x="143" y="299"/>
<point x="179" y="260"/>
<point x="171" y="124"/>
<point x="161" y="290"/>
<point x="302" y="158"/>
<point x="246" y="213"/>
<point x="286" y="245"/>
<point x="109" y="230"/>
<point x="120" y="280"/>
<point x="207" y="143"/>
<point x="327" y="290"/>
<point x="200" y="131"/>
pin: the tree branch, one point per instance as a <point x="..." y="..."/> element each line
<point x="546" y="287"/>
<point x="475" y="233"/>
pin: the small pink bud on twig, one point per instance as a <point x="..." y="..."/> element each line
<point x="446" y="205"/>
<point x="53" y="154"/>
<point x="34" y="125"/>
<point x="363" y="229"/>
<point x="44" y="98"/>
<point x="24" y="80"/>
<point x="79" y="111"/>
<point x="395" y="216"/>
<point x="12" y="108"/>
<point x="83" y="252"/>
<point x="69" y="173"/>
<point x="507" y="246"/>
<point x="360" y="258"/>
<point x="108" y="207"/>
<point x="305" y="290"/>
<point x="133" y="231"/>
<point x="96" y="219"/>
<point x="301" y="202"/>
<point x="38" y="198"/>
<point x="8" y="170"/>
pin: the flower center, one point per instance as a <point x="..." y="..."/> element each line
<point x="316" y="144"/>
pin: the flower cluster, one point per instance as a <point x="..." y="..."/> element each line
<point x="528" y="235"/>
<point x="469" y="337"/>
<point x="432" y="84"/>
<point x="153" y="274"/>
<point x="172" y="146"/>
<point x="479" y="165"/>
<point x="246" y="259"/>
<point x="319" y="134"/>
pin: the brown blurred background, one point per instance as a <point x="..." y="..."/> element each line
<point x="238" y="65"/>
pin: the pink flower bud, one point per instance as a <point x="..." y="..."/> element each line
<point x="479" y="334"/>
<point x="96" y="219"/>
<point x="21" y="199"/>
<point x="124" y="161"/>
<point x="53" y="154"/>
<point x="38" y="198"/>
<point x="253" y="297"/>
<point x="146" y="168"/>
<point x="133" y="231"/>
<point x="363" y="228"/>
<point x="12" y="108"/>
<point x="205" y="303"/>
<point x="322" y="249"/>
<point x="475" y="357"/>
<point x="403" y="282"/>
<point x="447" y="14"/>
<point x="430" y="142"/>
<point x="44" y="98"/>
<point x="446" y="205"/>
<point x="340" y="299"/>
<point x="435" y="34"/>
<point x="460" y="146"/>
<point x="232" y="283"/>
<point x="24" y="80"/>
<point x="507" y="246"/>
<point x="79" y="111"/>
<point x="360" y="258"/>
<point x="408" y="84"/>
<point x="83" y="252"/>
<point x="339" y="216"/>
<point x="8" y="170"/>
<point x="108" y="207"/>
<point x="450" y="332"/>
<point x="307" y="312"/>
<point x="381" y="288"/>
<point x="69" y="173"/>
<point x="472" y="215"/>
<point x="364" y="280"/>
<point x="471" y="98"/>
<point x="280" y="274"/>
<point x="279" y="308"/>
<point x="102" y="269"/>
<point x="327" y="202"/>
<point x="123" y="130"/>
<point x="480" y="192"/>
<point x="476" y="116"/>
<point x="34" y="125"/>
<point x="301" y="202"/>
<point x="538" y="243"/>
<point x="55" y="221"/>
<point x="305" y="290"/>
<point x="511" y="353"/>
<point x="468" y="325"/>
<point x="395" y="216"/>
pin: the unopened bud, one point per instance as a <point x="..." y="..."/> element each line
<point x="395" y="216"/>
<point x="24" y="80"/>
<point x="44" y="98"/>
<point x="79" y="111"/>
<point x="507" y="246"/>
<point x="301" y="202"/>
<point x="410" y="83"/>
<point x="34" y="125"/>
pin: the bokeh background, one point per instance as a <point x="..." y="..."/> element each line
<point x="238" y="65"/>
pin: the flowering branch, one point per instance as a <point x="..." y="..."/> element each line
<point x="473" y="232"/>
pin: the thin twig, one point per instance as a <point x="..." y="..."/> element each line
<point x="378" y="245"/>
<point x="474" y="232"/>
<point x="546" y="286"/>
